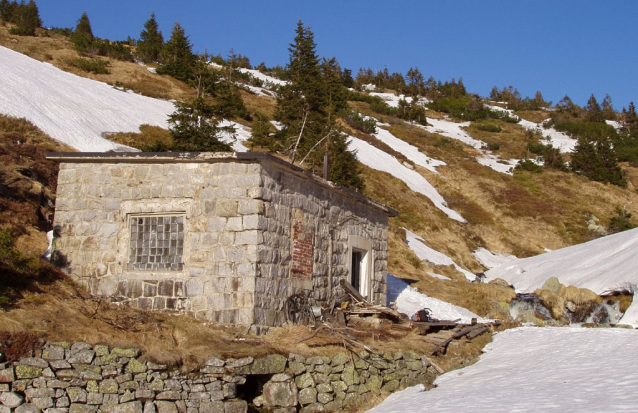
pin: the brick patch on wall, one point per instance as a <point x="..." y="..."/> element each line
<point x="302" y="250"/>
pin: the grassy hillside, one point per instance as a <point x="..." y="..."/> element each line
<point x="523" y="214"/>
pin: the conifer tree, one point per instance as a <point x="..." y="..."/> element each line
<point x="151" y="41"/>
<point x="307" y="108"/>
<point x="608" y="112"/>
<point x="594" y="112"/>
<point x="27" y="19"/>
<point x="6" y="10"/>
<point x="194" y="127"/>
<point x="178" y="56"/>
<point x="83" y="34"/>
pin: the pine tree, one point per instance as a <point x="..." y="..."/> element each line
<point x="608" y="112"/>
<point x="194" y="127"/>
<point x="307" y="108"/>
<point x="27" y="19"/>
<point x="83" y="34"/>
<point x="178" y="56"/>
<point x="7" y="11"/>
<point x="151" y="41"/>
<point x="594" y="112"/>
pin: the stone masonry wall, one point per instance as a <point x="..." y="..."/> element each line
<point x="221" y="218"/>
<point x="82" y="378"/>
<point x="226" y="228"/>
<point x="290" y="202"/>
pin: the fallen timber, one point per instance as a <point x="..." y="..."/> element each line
<point x="342" y="320"/>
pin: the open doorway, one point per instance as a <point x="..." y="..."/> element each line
<point x="360" y="263"/>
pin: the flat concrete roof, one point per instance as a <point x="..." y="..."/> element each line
<point x="210" y="157"/>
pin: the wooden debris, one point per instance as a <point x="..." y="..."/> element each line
<point x="475" y="330"/>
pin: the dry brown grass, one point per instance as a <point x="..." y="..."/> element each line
<point x="147" y="136"/>
<point x="537" y="116"/>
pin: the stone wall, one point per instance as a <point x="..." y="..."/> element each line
<point x="228" y="236"/>
<point x="83" y="378"/>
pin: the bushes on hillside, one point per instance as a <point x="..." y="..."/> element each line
<point x="358" y="122"/>
<point x="26" y="17"/>
<point x="97" y="66"/>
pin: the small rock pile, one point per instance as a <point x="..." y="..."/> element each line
<point x="82" y="378"/>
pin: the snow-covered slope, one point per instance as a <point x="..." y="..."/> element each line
<point x="410" y="151"/>
<point x="455" y="131"/>
<point x="408" y="301"/>
<point x="417" y="244"/>
<point x="382" y="161"/>
<point x="602" y="265"/>
<point x="72" y="109"/>
<point x="536" y="370"/>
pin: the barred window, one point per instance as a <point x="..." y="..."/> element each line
<point x="157" y="243"/>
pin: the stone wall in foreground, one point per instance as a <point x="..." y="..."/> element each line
<point x="83" y="378"/>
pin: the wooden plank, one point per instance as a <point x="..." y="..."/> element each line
<point x="351" y="290"/>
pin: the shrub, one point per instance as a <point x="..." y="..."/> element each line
<point x="17" y="345"/>
<point x="621" y="221"/>
<point x="493" y="146"/>
<point x="97" y="66"/>
<point x="489" y="127"/>
<point x="358" y="122"/>
<point x="527" y="165"/>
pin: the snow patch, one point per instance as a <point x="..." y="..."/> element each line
<point x="603" y="265"/>
<point x="72" y="109"/>
<point x="536" y="369"/>
<point x="382" y="161"/>
<point x="417" y="244"/>
<point x="408" y="301"/>
<point x="490" y="259"/>
<point x="410" y="151"/>
<point x="455" y="131"/>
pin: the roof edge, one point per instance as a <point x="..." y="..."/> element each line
<point x="210" y="157"/>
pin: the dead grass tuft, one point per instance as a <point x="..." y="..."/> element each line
<point x="147" y="136"/>
<point x="18" y="344"/>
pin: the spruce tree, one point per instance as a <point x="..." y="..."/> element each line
<point x="27" y="19"/>
<point x="608" y="112"/>
<point x="151" y="41"/>
<point x="83" y="35"/>
<point x="177" y="55"/>
<point x="194" y="127"/>
<point x="307" y="108"/>
<point x="594" y="112"/>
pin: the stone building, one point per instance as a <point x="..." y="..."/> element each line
<point x="223" y="236"/>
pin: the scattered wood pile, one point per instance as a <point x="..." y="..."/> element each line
<point x="344" y="317"/>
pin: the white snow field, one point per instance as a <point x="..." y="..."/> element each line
<point x="455" y="131"/>
<point x="417" y="244"/>
<point x="408" y="301"/>
<point x="410" y="151"/>
<point x="490" y="259"/>
<point x="382" y="161"/>
<point x="559" y="140"/>
<point x="603" y="265"/>
<point x="532" y="369"/>
<point x="72" y="109"/>
<point x="391" y="99"/>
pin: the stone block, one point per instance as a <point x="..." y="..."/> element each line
<point x="76" y="394"/>
<point x="280" y="394"/>
<point x="308" y="395"/>
<point x="7" y="375"/>
<point x="165" y="406"/>
<point x="226" y="208"/>
<point x="236" y="406"/>
<point x="212" y="407"/>
<point x="27" y="408"/>
<point x="11" y="399"/>
<point x="23" y="371"/>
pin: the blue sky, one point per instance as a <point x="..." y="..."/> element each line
<point x="573" y="48"/>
